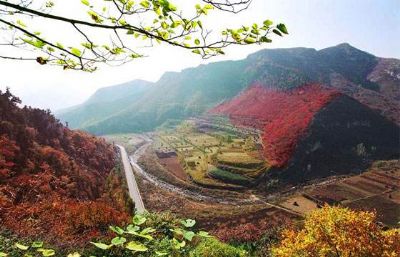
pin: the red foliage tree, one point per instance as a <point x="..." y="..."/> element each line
<point x="284" y="116"/>
<point x="8" y="150"/>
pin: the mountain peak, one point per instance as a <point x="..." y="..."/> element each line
<point x="344" y="45"/>
<point x="345" y="48"/>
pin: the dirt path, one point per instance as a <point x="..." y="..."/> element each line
<point x="134" y="192"/>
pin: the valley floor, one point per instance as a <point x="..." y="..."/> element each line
<point x="245" y="214"/>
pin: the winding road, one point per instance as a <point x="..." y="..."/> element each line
<point x="131" y="162"/>
<point x="187" y="193"/>
<point x="133" y="188"/>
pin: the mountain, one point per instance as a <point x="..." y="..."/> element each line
<point x="103" y="103"/>
<point x="371" y="80"/>
<point x="54" y="182"/>
<point x="313" y="131"/>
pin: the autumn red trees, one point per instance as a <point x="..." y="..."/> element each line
<point x="52" y="179"/>
<point x="283" y="115"/>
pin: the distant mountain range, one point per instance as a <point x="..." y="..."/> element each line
<point x="140" y="106"/>
<point x="103" y="103"/>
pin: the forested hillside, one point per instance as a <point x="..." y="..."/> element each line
<point x="284" y="116"/>
<point x="367" y="78"/>
<point x="313" y="131"/>
<point x="55" y="183"/>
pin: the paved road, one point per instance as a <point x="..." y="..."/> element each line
<point x="133" y="188"/>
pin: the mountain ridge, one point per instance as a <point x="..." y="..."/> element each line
<point x="193" y="91"/>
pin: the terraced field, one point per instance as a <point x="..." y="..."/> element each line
<point x="213" y="156"/>
<point x="377" y="189"/>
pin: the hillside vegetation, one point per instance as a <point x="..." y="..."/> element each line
<point x="313" y="131"/>
<point x="178" y="95"/>
<point x="54" y="182"/>
<point x="285" y="115"/>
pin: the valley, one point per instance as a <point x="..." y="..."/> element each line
<point x="246" y="150"/>
<point x="175" y="165"/>
<point x="275" y="148"/>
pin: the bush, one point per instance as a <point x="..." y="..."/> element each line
<point x="211" y="247"/>
<point x="336" y="231"/>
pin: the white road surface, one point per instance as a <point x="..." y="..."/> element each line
<point x="133" y="188"/>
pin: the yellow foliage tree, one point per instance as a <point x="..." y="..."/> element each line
<point x="336" y="231"/>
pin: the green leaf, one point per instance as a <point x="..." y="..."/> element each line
<point x="147" y="231"/>
<point x="101" y="245"/>
<point x="3" y="254"/>
<point x="196" y="51"/>
<point x="136" y="246"/>
<point x="172" y="7"/>
<point x="219" y="50"/>
<point x="161" y="253"/>
<point x="277" y="32"/>
<point x="60" y="45"/>
<point x="249" y="40"/>
<point x="188" y="223"/>
<point x="148" y="237"/>
<point x="117" y="230"/>
<point x="85" y="2"/>
<point x="95" y="16"/>
<point x="48" y="252"/>
<point x="131" y="228"/>
<point x="268" y="23"/>
<point x="203" y="234"/>
<point x="282" y="28"/>
<point x="21" y="246"/>
<point x="265" y="40"/>
<point x="38" y="43"/>
<point x="129" y="4"/>
<point x="118" y="240"/>
<point x="208" y="6"/>
<point x="76" y="51"/>
<point x="164" y="25"/>
<point x="37" y="244"/>
<point x="75" y="254"/>
<point x="145" y="4"/>
<point x="197" y="41"/>
<point x="134" y="56"/>
<point x="19" y="22"/>
<point x="188" y="235"/>
<point x="177" y="244"/>
<point x="138" y="219"/>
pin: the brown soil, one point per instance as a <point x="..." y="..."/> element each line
<point x="172" y="165"/>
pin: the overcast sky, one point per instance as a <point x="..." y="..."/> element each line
<point x="371" y="25"/>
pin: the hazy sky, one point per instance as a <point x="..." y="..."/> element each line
<point x="371" y="25"/>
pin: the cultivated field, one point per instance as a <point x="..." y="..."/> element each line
<point x="376" y="190"/>
<point x="216" y="156"/>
